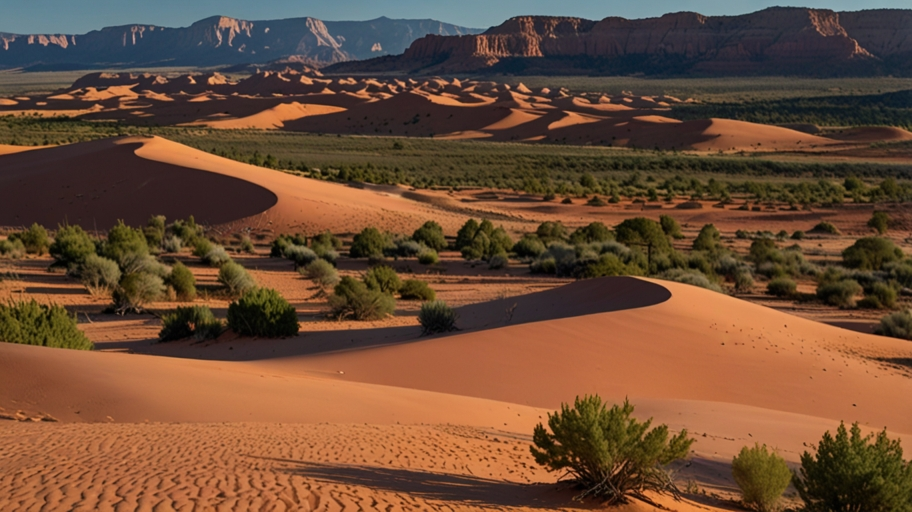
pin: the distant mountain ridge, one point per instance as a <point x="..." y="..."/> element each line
<point x="220" y="40"/>
<point x="778" y="40"/>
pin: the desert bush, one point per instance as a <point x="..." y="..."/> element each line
<point x="216" y="256"/>
<point x="549" y="231"/>
<point x="431" y="235"/>
<point x="197" y="322"/>
<point x="639" y="230"/>
<point x="559" y="259"/>
<point x="72" y="245"/>
<point x="839" y="293"/>
<point x="798" y="235"/>
<point x="352" y="299"/>
<point x="263" y="312"/>
<point x="404" y="247"/>
<point x="413" y="289"/>
<point x="880" y="222"/>
<point x="610" y="454"/>
<point x="607" y="264"/>
<point x="498" y="261"/>
<point x="124" y="244"/>
<point x="850" y="472"/>
<point x="34" y="239"/>
<point x="597" y="201"/>
<point x="283" y="242"/>
<point x="744" y="280"/>
<point x="327" y="240"/>
<point x="880" y="296"/>
<point x="708" y="240"/>
<point x="201" y="247"/>
<point x="670" y="227"/>
<point x="30" y="323"/>
<point x="247" y="246"/>
<point x="155" y="231"/>
<point x="99" y="275"/>
<point x="529" y="246"/>
<point x="382" y="278"/>
<point x="691" y="277"/>
<point x="762" y="476"/>
<point x="172" y="244"/>
<point x="301" y="255"/>
<point x="132" y="263"/>
<point x="369" y="243"/>
<point x="187" y="230"/>
<point x="235" y="279"/>
<point x="782" y="287"/>
<point x="428" y="257"/>
<point x="466" y="233"/>
<point x="871" y="253"/>
<point x="896" y="325"/>
<point x="12" y="249"/>
<point x="183" y="282"/>
<point x="136" y="290"/>
<point x="594" y="232"/>
<point x="826" y="228"/>
<point x="322" y="273"/>
<point x="436" y="317"/>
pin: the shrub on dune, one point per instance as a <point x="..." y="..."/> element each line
<point x="172" y="244"/>
<point x="263" y="312"/>
<point x="413" y="289"/>
<point x="155" y="232"/>
<point x="72" y="245"/>
<point x="183" y="282"/>
<point x="99" y="275"/>
<point x="235" y="279"/>
<point x="301" y="255"/>
<point x="384" y="279"/>
<point x="880" y="222"/>
<point x="431" y="235"/>
<point x="137" y="290"/>
<point x="611" y="455"/>
<point x="351" y="299"/>
<point x="671" y="227"/>
<point x="691" y="277"/>
<point x="896" y="325"/>
<point x="322" y="273"/>
<point x="201" y="247"/>
<point x="216" y="257"/>
<point x="881" y="296"/>
<point x="871" y="253"/>
<point x="639" y="230"/>
<point x="369" y="243"/>
<point x="839" y="293"/>
<point x="782" y="287"/>
<point x="762" y="476"/>
<point x="34" y="239"/>
<point x="12" y="249"/>
<point x="30" y="323"/>
<point x="197" y="322"/>
<point x="529" y="246"/>
<point x="428" y="257"/>
<point x="437" y="317"/>
<point x="498" y="262"/>
<point x="594" y="232"/>
<point x="124" y="243"/>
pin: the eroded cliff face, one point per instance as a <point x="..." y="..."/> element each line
<point x="776" y="39"/>
<point x="221" y="40"/>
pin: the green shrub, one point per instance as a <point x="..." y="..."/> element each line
<point x="235" y="279"/>
<point x="187" y="230"/>
<point x="99" y="275"/>
<point x="413" y="289"/>
<point x="826" y="228"/>
<point x="326" y="239"/>
<point x="850" y="472"/>
<point x="436" y="317"/>
<point x="782" y="287"/>
<point x="283" y="242"/>
<point x="124" y="244"/>
<point x="247" y="246"/>
<point x="610" y="454"/>
<point x="594" y="232"/>
<point x="172" y="244"/>
<point x="197" y="322"/>
<point x="642" y="231"/>
<point x="744" y="280"/>
<point x="871" y="253"/>
<point x="300" y="255"/>
<point x="12" y="249"/>
<point x="498" y="262"/>
<point x="881" y="296"/>
<point x="762" y="476"/>
<point x="34" y="239"/>
<point x="529" y="246"/>
<point x="880" y="222"/>
<point x="383" y="278"/>
<point x="798" y="235"/>
<point x="466" y="234"/>
<point x="431" y="235"/>
<point x="216" y="256"/>
<point x="369" y="243"/>
<point x="155" y="231"/>
<point x="405" y="247"/>
<point x="30" y="323"/>
<point x="322" y="273"/>
<point x="428" y="257"/>
<point x="840" y="293"/>
<point x="202" y="247"/>
<point x="72" y="245"/>
<point x="183" y="282"/>
<point x="670" y="227"/>
<point x="596" y="201"/>
<point x="263" y="312"/>
<point x="708" y="240"/>
<point x="549" y="231"/>
<point x="691" y="277"/>
<point x="607" y="265"/>
<point x="352" y="299"/>
<point x="137" y="290"/>
<point x="896" y="325"/>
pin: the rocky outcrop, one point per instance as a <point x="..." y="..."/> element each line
<point x="772" y="41"/>
<point x="219" y="41"/>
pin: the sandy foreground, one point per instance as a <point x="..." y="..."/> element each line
<point x="391" y="419"/>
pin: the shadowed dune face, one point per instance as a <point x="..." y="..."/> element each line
<point x="98" y="183"/>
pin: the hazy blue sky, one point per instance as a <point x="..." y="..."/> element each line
<point x="78" y="16"/>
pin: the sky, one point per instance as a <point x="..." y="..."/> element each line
<point x="80" y="16"/>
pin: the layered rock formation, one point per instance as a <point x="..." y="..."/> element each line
<point x="772" y="41"/>
<point x="220" y="41"/>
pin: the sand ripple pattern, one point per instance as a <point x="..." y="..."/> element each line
<point x="265" y="467"/>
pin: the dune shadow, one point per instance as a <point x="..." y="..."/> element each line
<point x="461" y="489"/>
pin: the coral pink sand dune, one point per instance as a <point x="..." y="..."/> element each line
<point x="96" y="183"/>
